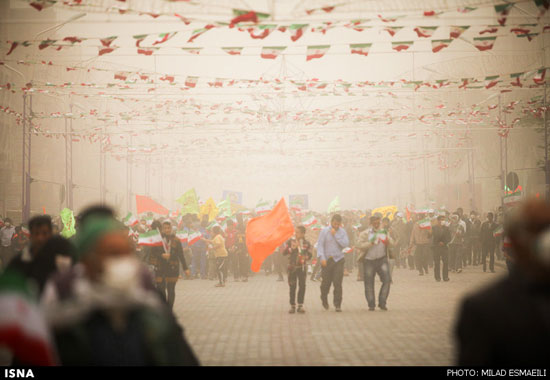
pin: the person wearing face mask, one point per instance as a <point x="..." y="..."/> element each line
<point x="105" y="310"/>
<point x="505" y="325"/>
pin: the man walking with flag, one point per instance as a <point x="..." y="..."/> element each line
<point x="299" y="252"/>
<point x="374" y="243"/>
<point x="332" y="240"/>
<point x="421" y="237"/>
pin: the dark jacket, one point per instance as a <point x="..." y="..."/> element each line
<point x="296" y="259"/>
<point x="168" y="268"/>
<point x="486" y="233"/>
<point x="506" y="325"/>
<point x="440" y="234"/>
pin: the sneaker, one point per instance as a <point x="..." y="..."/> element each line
<point x="292" y="310"/>
<point x="493" y="271"/>
<point x="458" y="270"/>
<point x="371" y="308"/>
<point x="438" y="280"/>
<point x="421" y="274"/>
<point x="301" y="309"/>
<point x="338" y="310"/>
<point x="383" y="307"/>
<point x="325" y="305"/>
<point x="445" y="279"/>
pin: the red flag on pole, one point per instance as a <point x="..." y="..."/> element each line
<point x="144" y="204"/>
<point x="265" y="233"/>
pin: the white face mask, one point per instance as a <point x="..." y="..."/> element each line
<point x="63" y="263"/>
<point x="121" y="273"/>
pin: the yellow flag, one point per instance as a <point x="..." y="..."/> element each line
<point x="210" y="209"/>
<point x="385" y="210"/>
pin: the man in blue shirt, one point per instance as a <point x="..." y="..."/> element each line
<point x="332" y="240"/>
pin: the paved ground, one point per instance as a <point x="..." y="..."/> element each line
<point x="248" y="323"/>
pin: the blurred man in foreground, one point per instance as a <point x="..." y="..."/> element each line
<point x="105" y="311"/>
<point x="508" y="323"/>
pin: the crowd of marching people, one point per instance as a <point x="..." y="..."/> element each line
<point x="115" y="280"/>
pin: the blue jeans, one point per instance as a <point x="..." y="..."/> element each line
<point x="372" y="267"/>
<point x="198" y="263"/>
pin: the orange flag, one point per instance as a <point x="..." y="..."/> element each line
<point x="265" y="233"/>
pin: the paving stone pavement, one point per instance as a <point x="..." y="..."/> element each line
<point x="249" y="324"/>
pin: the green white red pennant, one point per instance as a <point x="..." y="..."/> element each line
<point x="191" y="81"/>
<point x="425" y="31"/>
<point x="484" y="43"/>
<point x="438" y="45"/>
<point x="401" y="45"/>
<point x="150" y="239"/>
<point x="272" y="52"/>
<point x="233" y="50"/>
<point x="195" y="51"/>
<point x="456" y="31"/>
<point x="361" y="49"/>
<point x="316" y="51"/>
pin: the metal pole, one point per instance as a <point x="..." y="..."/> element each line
<point x="546" y="163"/>
<point x="70" y="187"/>
<point x="27" y="173"/>
<point x="501" y="154"/>
<point x="23" y="176"/>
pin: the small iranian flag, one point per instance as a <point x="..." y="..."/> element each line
<point x="262" y="207"/>
<point x="465" y="9"/>
<point x="182" y="236"/>
<point x="163" y="37"/>
<point x="25" y="231"/>
<point x="317" y="227"/>
<point x="425" y="31"/>
<point x="539" y="76"/>
<point x="382" y="237"/>
<point x="272" y="52"/>
<point x="512" y="199"/>
<point x="393" y="29"/>
<point x="198" y="32"/>
<point x="484" y="43"/>
<point x="195" y="51"/>
<point x="502" y="11"/>
<point x="139" y="38"/>
<point x="233" y="50"/>
<point x="309" y="220"/>
<point x="529" y="36"/>
<point x="362" y="49"/>
<point x="193" y="237"/>
<point x="148" y="220"/>
<point x="491" y="81"/>
<point x="516" y="79"/>
<point x="107" y="41"/>
<point x="499" y="231"/>
<point x="456" y="31"/>
<point x="130" y="220"/>
<point x="191" y="81"/>
<point x="147" y="51"/>
<point x="347" y="250"/>
<point x="401" y="45"/>
<point x="316" y="51"/>
<point x="425" y="224"/>
<point x="44" y="44"/>
<point x="265" y="31"/>
<point x="23" y="329"/>
<point x="297" y="31"/>
<point x="438" y="45"/>
<point x="150" y="239"/>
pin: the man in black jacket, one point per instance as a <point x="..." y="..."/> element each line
<point x="506" y="325"/>
<point x="488" y="242"/>
<point x="441" y="237"/>
<point x="299" y="252"/>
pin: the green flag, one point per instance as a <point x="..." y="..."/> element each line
<point x="190" y="202"/>
<point x="67" y="218"/>
<point x="334" y="205"/>
<point x="224" y="207"/>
